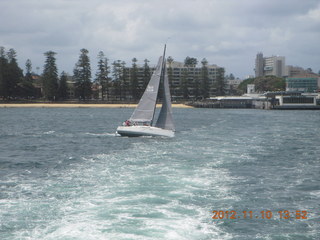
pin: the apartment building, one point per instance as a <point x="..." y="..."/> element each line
<point x="192" y="75"/>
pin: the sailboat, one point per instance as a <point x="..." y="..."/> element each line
<point x="142" y="121"/>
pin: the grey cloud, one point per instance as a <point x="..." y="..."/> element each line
<point x="224" y="32"/>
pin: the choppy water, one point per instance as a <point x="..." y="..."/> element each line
<point x="65" y="175"/>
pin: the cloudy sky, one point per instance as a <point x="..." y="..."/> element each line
<point x="228" y="33"/>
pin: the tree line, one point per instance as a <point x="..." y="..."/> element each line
<point x="122" y="82"/>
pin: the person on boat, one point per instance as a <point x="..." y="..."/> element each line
<point x="127" y="123"/>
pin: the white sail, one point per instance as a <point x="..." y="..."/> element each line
<point x="165" y="119"/>
<point x="145" y="109"/>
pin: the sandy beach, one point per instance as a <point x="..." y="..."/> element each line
<point x="77" y="105"/>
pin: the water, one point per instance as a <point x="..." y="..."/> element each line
<point x="65" y="175"/>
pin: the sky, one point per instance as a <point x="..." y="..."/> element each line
<point x="228" y="33"/>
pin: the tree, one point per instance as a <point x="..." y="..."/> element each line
<point x="204" y="84"/>
<point x="119" y="79"/>
<point x="123" y="79"/>
<point x="28" y="66"/>
<point x="50" y="76"/>
<point x="63" y="87"/>
<point x="170" y="75"/>
<point x="3" y="73"/>
<point x="243" y="85"/>
<point x="102" y="75"/>
<point x="26" y="88"/>
<point x="190" y="62"/>
<point x="14" y="75"/>
<point x="220" y="84"/>
<point x="134" y="80"/>
<point x="184" y="91"/>
<point x="269" y="83"/>
<point x="146" y="76"/>
<point x="196" y="87"/>
<point x="82" y="75"/>
<point x="263" y="84"/>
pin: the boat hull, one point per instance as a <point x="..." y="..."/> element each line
<point x="138" y="131"/>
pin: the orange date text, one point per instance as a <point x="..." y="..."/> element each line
<point x="265" y="214"/>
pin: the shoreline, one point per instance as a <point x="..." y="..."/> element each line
<point x="79" y="105"/>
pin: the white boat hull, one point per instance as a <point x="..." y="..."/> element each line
<point x="137" y="131"/>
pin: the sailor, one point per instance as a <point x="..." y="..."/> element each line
<point x="127" y="123"/>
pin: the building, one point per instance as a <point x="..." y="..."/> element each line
<point x="259" y="65"/>
<point x="274" y="66"/>
<point x="192" y="74"/>
<point x="251" y="88"/>
<point x="292" y="71"/>
<point x="270" y="66"/>
<point x="232" y="86"/>
<point x="185" y="81"/>
<point x="303" y="83"/>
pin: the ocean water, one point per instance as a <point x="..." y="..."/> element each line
<point x="64" y="175"/>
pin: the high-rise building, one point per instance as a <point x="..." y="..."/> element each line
<point x="270" y="66"/>
<point x="259" y="65"/>
<point x="274" y="66"/>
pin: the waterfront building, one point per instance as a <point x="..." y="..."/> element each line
<point x="303" y="83"/>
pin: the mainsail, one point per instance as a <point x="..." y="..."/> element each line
<point x="145" y="109"/>
<point x="165" y="119"/>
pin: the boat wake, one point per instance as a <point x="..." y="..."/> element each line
<point x="102" y="134"/>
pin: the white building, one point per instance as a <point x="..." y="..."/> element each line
<point x="251" y="88"/>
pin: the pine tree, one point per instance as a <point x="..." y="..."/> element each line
<point x="82" y="75"/>
<point x="134" y="80"/>
<point x="204" y="85"/>
<point x="196" y="87"/>
<point x="50" y="77"/>
<point x="184" y="91"/>
<point x="102" y="75"/>
<point x="220" y="84"/>
<point x="3" y="73"/>
<point x="63" y="87"/>
<point x="146" y="76"/>
<point x="124" y="72"/>
<point x="28" y="67"/>
<point x="170" y="75"/>
<point x="117" y="78"/>
<point x="27" y="90"/>
<point x="14" y="76"/>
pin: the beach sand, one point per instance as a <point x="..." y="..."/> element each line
<point x="77" y="105"/>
